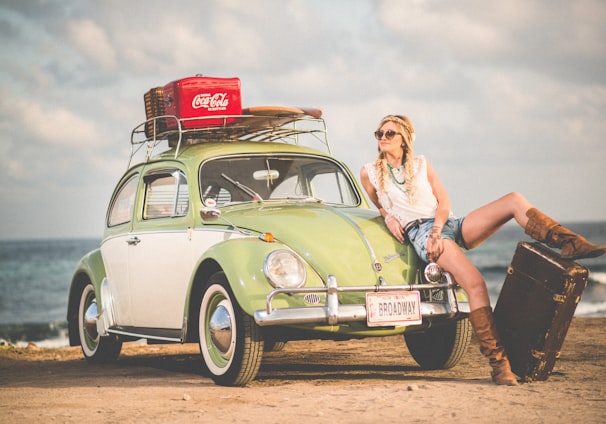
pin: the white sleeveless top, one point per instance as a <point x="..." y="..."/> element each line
<point x="395" y="198"/>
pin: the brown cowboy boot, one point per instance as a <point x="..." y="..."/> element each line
<point x="490" y="346"/>
<point x="544" y="229"/>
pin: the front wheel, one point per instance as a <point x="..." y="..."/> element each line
<point x="96" y="349"/>
<point x="440" y="347"/>
<point x="230" y="341"/>
<point x="273" y="346"/>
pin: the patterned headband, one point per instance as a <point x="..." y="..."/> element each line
<point x="400" y="120"/>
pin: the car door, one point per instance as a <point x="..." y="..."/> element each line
<point x="160" y="256"/>
<point x="115" y="247"/>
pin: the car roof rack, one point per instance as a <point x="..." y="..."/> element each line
<point x="289" y="125"/>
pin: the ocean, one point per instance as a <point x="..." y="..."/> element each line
<point x="35" y="276"/>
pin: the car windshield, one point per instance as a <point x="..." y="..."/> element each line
<point x="276" y="177"/>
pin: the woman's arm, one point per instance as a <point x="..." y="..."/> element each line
<point x="392" y="224"/>
<point x="370" y="190"/>
<point x="444" y="205"/>
<point x="434" y="244"/>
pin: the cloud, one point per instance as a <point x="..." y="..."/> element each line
<point x="15" y="169"/>
<point x="93" y="42"/>
<point x="449" y="30"/>
<point x="52" y="126"/>
<point x="564" y="41"/>
<point x="500" y="92"/>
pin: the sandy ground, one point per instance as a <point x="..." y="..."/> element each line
<point x="359" y="381"/>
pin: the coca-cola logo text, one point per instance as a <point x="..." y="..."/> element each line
<point x="210" y="102"/>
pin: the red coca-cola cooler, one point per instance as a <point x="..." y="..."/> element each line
<point x="202" y="96"/>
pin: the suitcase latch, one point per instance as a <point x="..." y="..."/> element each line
<point x="537" y="354"/>
<point x="559" y="298"/>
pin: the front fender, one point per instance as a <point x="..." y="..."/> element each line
<point x="242" y="260"/>
<point x="90" y="269"/>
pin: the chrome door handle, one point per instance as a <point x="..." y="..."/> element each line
<point x="133" y="241"/>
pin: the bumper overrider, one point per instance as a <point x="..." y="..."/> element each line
<point x="333" y="313"/>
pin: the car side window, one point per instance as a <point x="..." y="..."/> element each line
<point x="166" y="195"/>
<point x="121" y="210"/>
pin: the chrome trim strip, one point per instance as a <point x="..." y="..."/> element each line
<point x="376" y="264"/>
<point x="144" y="336"/>
<point x="141" y="232"/>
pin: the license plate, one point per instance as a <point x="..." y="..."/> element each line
<point x="397" y="308"/>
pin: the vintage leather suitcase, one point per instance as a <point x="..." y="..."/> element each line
<point x="202" y="96"/>
<point x="154" y="106"/>
<point x="535" y="308"/>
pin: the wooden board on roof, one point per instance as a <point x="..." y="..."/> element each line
<point x="275" y="116"/>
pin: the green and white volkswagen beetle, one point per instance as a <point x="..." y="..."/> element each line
<point x="240" y="236"/>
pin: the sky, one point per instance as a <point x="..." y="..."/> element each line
<point x="504" y="95"/>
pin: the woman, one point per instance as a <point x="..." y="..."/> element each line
<point x="415" y="205"/>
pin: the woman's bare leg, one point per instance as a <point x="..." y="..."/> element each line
<point x="483" y="222"/>
<point x="479" y="225"/>
<point x="465" y="273"/>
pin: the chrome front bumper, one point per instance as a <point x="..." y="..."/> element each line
<point x="333" y="313"/>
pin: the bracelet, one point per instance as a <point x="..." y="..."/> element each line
<point x="436" y="232"/>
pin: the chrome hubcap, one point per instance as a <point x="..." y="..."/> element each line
<point x="90" y="320"/>
<point x="220" y="328"/>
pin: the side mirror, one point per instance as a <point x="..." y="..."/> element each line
<point x="210" y="214"/>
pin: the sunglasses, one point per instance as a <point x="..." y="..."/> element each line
<point x="389" y="134"/>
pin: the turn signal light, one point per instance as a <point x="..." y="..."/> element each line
<point x="267" y="237"/>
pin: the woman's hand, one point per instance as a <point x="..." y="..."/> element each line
<point x="435" y="246"/>
<point x="394" y="227"/>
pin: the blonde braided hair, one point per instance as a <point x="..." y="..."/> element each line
<point x="407" y="130"/>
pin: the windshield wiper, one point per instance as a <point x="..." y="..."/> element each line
<point x="253" y="194"/>
<point x="306" y="199"/>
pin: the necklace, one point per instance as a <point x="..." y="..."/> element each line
<point x="393" y="177"/>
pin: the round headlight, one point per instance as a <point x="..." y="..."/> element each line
<point x="284" y="269"/>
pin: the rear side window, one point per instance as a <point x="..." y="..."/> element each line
<point x="166" y="195"/>
<point x="121" y="210"/>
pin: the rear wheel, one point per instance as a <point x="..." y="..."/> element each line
<point x="440" y="347"/>
<point x="230" y="341"/>
<point x="95" y="348"/>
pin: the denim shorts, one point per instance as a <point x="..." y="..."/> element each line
<point x="419" y="235"/>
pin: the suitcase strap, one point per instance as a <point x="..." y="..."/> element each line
<point x="556" y="297"/>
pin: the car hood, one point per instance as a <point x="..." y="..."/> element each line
<point x="351" y="243"/>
